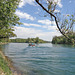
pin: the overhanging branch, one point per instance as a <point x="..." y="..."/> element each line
<point x="54" y="18"/>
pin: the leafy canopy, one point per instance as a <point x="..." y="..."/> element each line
<point x="8" y="18"/>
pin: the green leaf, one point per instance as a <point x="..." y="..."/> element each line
<point x="8" y="18"/>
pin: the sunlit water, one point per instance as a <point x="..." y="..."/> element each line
<point x="43" y="59"/>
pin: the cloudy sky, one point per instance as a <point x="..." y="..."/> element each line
<point x="34" y="22"/>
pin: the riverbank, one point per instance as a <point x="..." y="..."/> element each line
<point x="64" y="40"/>
<point x="6" y="66"/>
<point x="2" y="43"/>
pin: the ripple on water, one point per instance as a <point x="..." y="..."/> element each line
<point x="43" y="59"/>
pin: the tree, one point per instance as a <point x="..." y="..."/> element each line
<point x="62" y="40"/>
<point x="8" y="18"/>
<point x="28" y="40"/>
<point x="37" y="40"/>
<point x="65" y="27"/>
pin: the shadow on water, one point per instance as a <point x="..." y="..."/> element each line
<point x="64" y="45"/>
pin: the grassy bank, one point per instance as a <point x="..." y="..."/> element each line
<point x="2" y="43"/>
<point x="4" y="65"/>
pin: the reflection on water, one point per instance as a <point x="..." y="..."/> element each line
<point x="43" y="59"/>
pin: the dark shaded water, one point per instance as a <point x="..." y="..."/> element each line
<point x="44" y="59"/>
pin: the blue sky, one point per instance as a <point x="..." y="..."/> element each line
<point x="34" y="22"/>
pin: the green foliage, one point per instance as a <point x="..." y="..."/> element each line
<point x="4" y="66"/>
<point x="8" y="18"/>
<point x="29" y="40"/>
<point x="63" y="40"/>
<point x="6" y="33"/>
<point x="37" y="40"/>
<point x="51" y="6"/>
<point x="67" y="24"/>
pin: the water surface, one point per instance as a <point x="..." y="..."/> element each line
<point x="44" y="59"/>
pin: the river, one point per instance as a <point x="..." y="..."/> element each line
<point x="43" y="59"/>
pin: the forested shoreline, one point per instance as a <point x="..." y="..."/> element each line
<point x="28" y="40"/>
<point x="63" y="40"/>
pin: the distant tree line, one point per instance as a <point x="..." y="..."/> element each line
<point x="28" y="40"/>
<point x="63" y="40"/>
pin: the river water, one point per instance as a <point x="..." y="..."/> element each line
<point x="43" y="59"/>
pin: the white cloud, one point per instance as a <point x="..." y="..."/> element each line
<point x="23" y="32"/>
<point x="58" y="2"/>
<point x="24" y="15"/>
<point x="31" y="2"/>
<point x="57" y="11"/>
<point x="70" y="1"/>
<point x="50" y="28"/>
<point x="23" y="2"/>
<point x="47" y="22"/>
<point x="28" y="24"/>
<point x="47" y="27"/>
<point x="53" y="28"/>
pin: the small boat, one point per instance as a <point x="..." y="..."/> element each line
<point x="31" y="44"/>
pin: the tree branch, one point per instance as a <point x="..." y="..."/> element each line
<point x="52" y="16"/>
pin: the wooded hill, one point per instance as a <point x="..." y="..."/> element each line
<point x="28" y="40"/>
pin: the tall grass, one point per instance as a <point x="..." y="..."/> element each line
<point x="4" y="66"/>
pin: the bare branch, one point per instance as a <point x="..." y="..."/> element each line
<point x="54" y="18"/>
